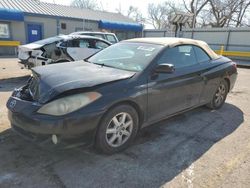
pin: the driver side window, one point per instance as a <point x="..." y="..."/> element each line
<point x="179" y="56"/>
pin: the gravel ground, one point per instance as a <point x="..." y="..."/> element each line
<point x="200" y="148"/>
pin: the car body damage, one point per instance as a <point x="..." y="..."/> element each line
<point x="58" y="49"/>
<point x="75" y="75"/>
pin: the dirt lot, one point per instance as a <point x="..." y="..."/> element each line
<point x="201" y="148"/>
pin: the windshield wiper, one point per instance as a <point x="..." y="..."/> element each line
<point x="103" y="65"/>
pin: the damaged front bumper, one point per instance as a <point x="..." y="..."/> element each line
<point x="26" y="121"/>
<point x="34" y="62"/>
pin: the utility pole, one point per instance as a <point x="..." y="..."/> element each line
<point x="195" y="13"/>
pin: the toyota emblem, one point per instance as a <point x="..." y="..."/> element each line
<point x="12" y="103"/>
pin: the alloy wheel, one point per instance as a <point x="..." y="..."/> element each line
<point x="220" y="95"/>
<point x="119" y="129"/>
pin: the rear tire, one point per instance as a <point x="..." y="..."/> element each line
<point x="117" y="129"/>
<point x="220" y="96"/>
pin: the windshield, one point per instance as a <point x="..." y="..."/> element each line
<point x="127" y="56"/>
<point x="111" y="38"/>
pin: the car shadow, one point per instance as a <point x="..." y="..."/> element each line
<point x="159" y="153"/>
<point x="10" y="84"/>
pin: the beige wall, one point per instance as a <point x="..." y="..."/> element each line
<point x="72" y="25"/>
<point x="18" y="31"/>
<point x="49" y="25"/>
<point x="91" y="25"/>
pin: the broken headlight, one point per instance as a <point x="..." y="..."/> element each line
<point x="69" y="104"/>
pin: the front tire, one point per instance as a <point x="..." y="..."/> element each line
<point x="220" y="96"/>
<point x="117" y="129"/>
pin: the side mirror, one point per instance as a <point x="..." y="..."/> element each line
<point x="165" y="68"/>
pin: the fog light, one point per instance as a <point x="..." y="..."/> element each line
<point x="54" y="139"/>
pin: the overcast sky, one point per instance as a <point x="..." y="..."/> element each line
<point x="112" y="5"/>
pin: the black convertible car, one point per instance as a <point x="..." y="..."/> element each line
<point x="110" y="96"/>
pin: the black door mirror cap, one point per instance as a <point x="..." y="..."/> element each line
<point x="165" y="68"/>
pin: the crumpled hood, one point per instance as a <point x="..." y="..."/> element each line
<point x="58" y="78"/>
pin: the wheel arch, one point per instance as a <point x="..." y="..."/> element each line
<point x="130" y="103"/>
<point x="124" y="102"/>
<point x="228" y="82"/>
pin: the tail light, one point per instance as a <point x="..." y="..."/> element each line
<point x="234" y="65"/>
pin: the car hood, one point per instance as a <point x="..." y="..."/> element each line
<point x="53" y="80"/>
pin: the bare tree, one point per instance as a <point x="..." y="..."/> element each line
<point x="195" y="8"/>
<point x="228" y="12"/>
<point x="241" y="12"/>
<point x="215" y="13"/>
<point x="159" y="15"/>
<point x="88" y="4"/>
<point x="222" y="11"/>
<point x="119" y="9"/>
<point x="135" y="14"/>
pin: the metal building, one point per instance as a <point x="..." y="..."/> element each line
<point x="25" y="21"/>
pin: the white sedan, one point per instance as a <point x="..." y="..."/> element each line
<point x="58" y="49"/>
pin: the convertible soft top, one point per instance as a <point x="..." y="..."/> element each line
<point x="171" y="42"/>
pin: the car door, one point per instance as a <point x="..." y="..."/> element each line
<point x="81" y="48"/>
<point x="169" y="93"/>
<point x="210" y="77"/>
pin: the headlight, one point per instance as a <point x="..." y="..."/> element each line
<point x="69" y="104"/>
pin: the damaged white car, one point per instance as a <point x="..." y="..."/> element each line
<point x="58" y="49"/>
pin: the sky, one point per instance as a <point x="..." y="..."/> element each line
<point x="112" y="5"/>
